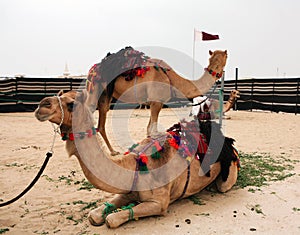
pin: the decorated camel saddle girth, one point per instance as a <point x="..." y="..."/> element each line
<point x="127" y="63"/>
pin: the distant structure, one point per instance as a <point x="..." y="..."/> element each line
<point x="66" y="73"/>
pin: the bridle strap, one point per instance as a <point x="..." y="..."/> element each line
<point x="57" y="129"/>
<point x="62" y="111"/>
<point x="187" y="180"/>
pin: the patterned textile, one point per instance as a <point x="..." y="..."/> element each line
<point x="188" y="139"/>
<point x="127" y="62"/>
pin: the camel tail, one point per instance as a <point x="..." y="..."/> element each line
<point x="227" y="154"/>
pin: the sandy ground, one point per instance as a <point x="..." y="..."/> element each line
<point x="55" y="205"/>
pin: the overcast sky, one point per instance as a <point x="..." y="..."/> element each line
<point x="39" y="36"/>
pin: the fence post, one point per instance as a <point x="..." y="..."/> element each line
<point x="71" y="84"/>
<point x="221" y="99"/>
<point x="252" y="85"/>
<point x="236" y="88"/>
<point x="273" y="95"/>
<point x="16" y="91"/>
<point x="297" y="96"/>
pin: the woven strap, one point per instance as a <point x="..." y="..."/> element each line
<point x="109" y="208"/>
<point x="131" y="213"/>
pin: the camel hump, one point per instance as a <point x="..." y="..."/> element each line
<point x="157" y="63"/>
<point x="115" y="64"/>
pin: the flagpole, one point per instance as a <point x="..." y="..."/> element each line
<point x="193" y="75"/>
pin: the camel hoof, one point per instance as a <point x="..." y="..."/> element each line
<point x="111" y="222"/>
<point x="114" y="153"/>
<point x="94" y="220"/>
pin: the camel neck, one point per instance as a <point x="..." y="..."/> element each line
<point x="204" y="83"/>
<point x="101" y="170"/>
<point x="191" y="88"/>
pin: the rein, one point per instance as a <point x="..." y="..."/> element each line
<point x="48" y="156"/>
<point x="208" y="97"/>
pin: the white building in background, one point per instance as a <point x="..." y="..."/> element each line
<point x="67" y="74"/>
<point x="66" y="71"/>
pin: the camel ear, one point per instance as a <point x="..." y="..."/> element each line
<point x="61" y="92"/>
<point x="210" y="52"/>
<point x="81" y="96"/>
<point x="225" y="52"/>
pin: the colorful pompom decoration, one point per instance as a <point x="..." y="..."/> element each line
<point x="143" y="160"/>
<point x="130" y="149"/>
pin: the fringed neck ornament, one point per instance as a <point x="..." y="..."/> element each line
<point x="81" y="135"/>
<point x="214" y="73"/>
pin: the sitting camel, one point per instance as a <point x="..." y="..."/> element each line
<point x="144" y="80"/>
<point x="145" y="184"/>
<point x="208" y="108"/>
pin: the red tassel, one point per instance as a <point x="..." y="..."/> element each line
<point x="157" y="145"/>
<point x="173" y="143"/>
<point x="127" y="152"/>
<point x="144" y="158"/>
<point x="89" y="133"/>
<point x="71" y="136"/>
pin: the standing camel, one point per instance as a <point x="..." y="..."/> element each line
<point x="138" y="195"/>
<point x="144" y="80"/>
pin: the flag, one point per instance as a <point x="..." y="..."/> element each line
<point x="198" y="36"/>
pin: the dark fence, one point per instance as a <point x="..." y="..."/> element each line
<point x="280" y="94"/>
<point x="24" y="94"/>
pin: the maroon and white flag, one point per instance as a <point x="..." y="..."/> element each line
<point x="202" y="36"/>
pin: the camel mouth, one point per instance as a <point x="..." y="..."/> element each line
<point x="42" y="117"/>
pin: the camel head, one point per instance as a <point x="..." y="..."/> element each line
<point x="217" y="61"/>
<point x="235" y="94"/>
<point x="49" y="108"/>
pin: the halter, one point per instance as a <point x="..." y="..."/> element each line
<point x="57" y="129"/>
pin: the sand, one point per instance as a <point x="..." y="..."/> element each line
<point x="55" y="205"/>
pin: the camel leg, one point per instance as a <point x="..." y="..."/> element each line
<point x="231" y="180"/>
<point x="155" y="108"/>
<point x="119" y="200"/>
<point x="103" y="108"/>
<point x="144" y="209"/>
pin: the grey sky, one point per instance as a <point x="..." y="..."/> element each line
<point x="39" y="36"/>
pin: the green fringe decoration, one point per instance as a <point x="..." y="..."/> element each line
<point x="155" y="154"/>
<point x="133" y="147"/>
<point x="109" y="208"/>
<point x="64" y="136"/>
<point x="144" y="169"/>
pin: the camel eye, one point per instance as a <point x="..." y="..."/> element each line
<point x="71" y="106"/>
